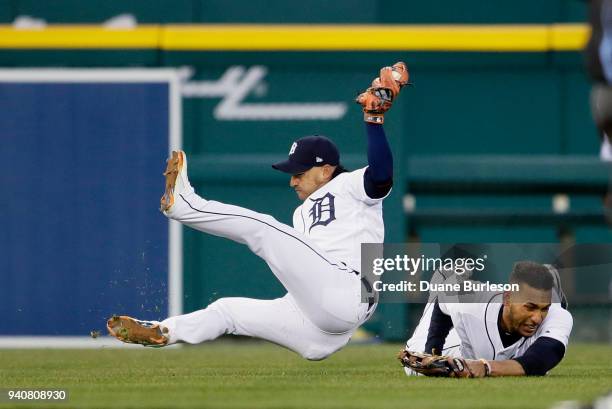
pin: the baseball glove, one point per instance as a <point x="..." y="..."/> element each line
<point x="377" y="99"/>
<point x="436" y="365"/>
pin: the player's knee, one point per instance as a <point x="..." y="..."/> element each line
<point x="318" y="352"/>
<point x="222" y="307"/>
<point x="217" y="304"/>
<point x="315" y="354"/>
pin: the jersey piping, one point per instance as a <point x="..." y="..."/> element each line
<point x="269" y="225"/>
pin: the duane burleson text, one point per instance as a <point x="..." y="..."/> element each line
<point x="469" y="286"/>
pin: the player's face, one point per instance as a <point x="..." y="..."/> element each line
<point x="306" y="183"/>
<point x="527" y="309"/>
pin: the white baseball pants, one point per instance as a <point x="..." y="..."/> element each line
<point x="323" y="306"/>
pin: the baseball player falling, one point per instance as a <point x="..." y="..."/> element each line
<point x="509" y="334"/>
<point x="317" y="260"/>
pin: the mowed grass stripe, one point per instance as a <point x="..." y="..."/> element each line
<point x="259" y="375"/>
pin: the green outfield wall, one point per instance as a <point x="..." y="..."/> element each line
<point x="313" y="11"/>
<point x="478" y="90"/>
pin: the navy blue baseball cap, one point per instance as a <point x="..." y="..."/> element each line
<point x="308" y="152"/>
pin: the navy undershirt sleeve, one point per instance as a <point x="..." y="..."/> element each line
<point x="542" y="356"/>
<point x="378" y="177"/>
<point x="439" y="327"/>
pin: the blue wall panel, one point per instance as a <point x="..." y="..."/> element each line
<point x="81" y="235"/>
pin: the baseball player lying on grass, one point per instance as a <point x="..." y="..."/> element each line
<point x="317" y="260"/>
<point x="512" y="334"/>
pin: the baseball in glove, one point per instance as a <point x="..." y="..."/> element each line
<point x="377" y="99"/>
<point x="443" y="366"/>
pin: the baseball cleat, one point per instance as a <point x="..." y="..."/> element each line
<point x="176" y="179"/>
<point x="133" y="331"/>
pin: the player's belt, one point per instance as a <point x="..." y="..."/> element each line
<point x="372" y="295"/>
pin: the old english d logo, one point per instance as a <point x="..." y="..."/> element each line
<point x="322" y="211"/>
<point x="293" y="147"/>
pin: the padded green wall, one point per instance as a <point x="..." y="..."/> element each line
<point x="461" y="103"/>
<point x="79" y="11"/>
<point x="312" y="11"/>
<point x="6" y="11"/>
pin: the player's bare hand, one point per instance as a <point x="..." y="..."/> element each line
<point x="467" y="368"/>
<point x="477" y="367"/>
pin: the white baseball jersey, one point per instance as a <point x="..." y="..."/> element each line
<point x="323" y="305"/>
<point x="339" y="216"/>
<point x="419" y="336"/>
<point x="476" y="325"/>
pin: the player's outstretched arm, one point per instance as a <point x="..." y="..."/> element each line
<point x="375" y="101"/>
<point x="506" y="368"/>
<point x="378" y="177"/>
<point x="535" y="363"/>
<point x="541" y="357"/>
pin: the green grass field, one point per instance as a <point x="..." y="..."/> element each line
<point x="260" y="375"/>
